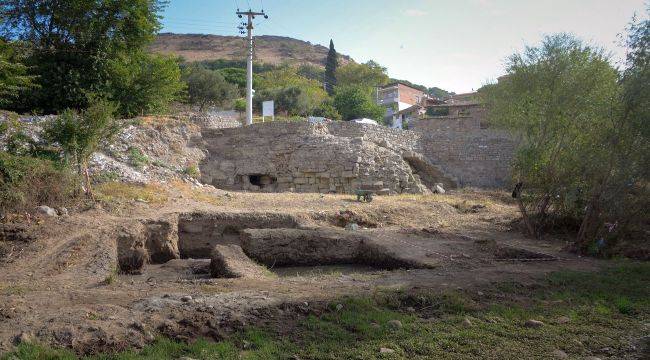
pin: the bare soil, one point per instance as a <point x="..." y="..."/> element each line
<point x="59" y="283"/>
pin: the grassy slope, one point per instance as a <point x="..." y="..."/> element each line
<point x="606" y="310"/>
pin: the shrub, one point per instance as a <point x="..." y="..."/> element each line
<point x="355" y="102"/>
<point x="27" y="182"/>
<point x="583" y="153"/>
<point x="138" y="159"/>
<point x="208" y="87"/>
<point x="192" y="171"/>
<point x="79" y="134"/>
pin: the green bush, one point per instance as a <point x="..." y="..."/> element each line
<point x="355" y="102"/>
<point x="138" y="159"/>
<point x="207" y="87"/>
<point x="583" y="149"/>
<point x="27" y="182"/>
<point x="80" y="134"/>
<point x="192" y="171"/>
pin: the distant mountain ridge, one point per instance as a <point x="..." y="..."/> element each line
<point x="268" y="49"/>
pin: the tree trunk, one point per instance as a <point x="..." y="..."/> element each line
<point x="588" y="222"/>
<point x="516" y="193"/>
<point x="524" y="215"/>
<point x="89" y="190"/>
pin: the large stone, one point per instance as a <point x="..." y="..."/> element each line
<point x="46" y="210"/>
<point x="229" y="261"/>
<point x="162" y="239"/>
<point x="533" y="324"/>
<point x="153" y="241"/>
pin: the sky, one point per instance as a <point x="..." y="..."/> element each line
<point x="457" y="45"/>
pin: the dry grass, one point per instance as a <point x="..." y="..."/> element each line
<point x="118" y="192"/>
<point x="12" y="290"/>
<point x="196" y="194"/>
<point x="406" y="211"/>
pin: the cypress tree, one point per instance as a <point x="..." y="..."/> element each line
<point x="330" y="69"/>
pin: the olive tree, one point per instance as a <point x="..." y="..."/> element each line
<point x="208" y="87"/>
<point x="579" y="148"/>
<point x="79" y="134"/>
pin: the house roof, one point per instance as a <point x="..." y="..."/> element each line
<point x="466" y="99"/>
<point x="451" y="103"/>
<point x="395" y="83"/>
<point x="408" y="110"/>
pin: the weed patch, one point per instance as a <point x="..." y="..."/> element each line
<point x="601" y="310"/>
<point x="27" y="182"/>
<point x="118" y="192"/>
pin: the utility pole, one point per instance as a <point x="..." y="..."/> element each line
<point x="249" y="71"/>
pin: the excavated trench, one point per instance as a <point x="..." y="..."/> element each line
<point x="238" y="242"/>
<point x="248" y="244"/>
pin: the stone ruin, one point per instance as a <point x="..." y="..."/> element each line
<point x="298" y="156"/>
<point x="341" y="157"/>
<point x="334" y="157"/>
<point x="246" y="244"/>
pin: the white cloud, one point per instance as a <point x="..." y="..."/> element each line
<point x="416" y="12"/>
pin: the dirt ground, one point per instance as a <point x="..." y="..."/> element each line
<point x="59" y="283"/>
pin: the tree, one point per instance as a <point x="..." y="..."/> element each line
<point x="72" y="44"/>
<point x="237" y="76"/>
<point x="354" y="102"/>
<point x="439" y="93"/>
<point x="80" y="134"/>
<point x="208" y="87"/>
<point x="240" y="106"/>
<point x="331" y="64"/>
<point x="369" y="75"/>
<point x="582" y="153"/>
<point x="144" y="83"/>
<point x="311" y="72"/>
<point x="292" y="100"/>
<point x="327" y="110"/>
<point x="14" y="78"/>
<point x="283" y="83"/>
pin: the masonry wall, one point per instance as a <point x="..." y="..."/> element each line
<point x="343" y="156"/>
<point x="303" y="157"/>
<point x="473" y="155"/>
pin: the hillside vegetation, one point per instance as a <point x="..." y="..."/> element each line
<point x="268" y="49"/>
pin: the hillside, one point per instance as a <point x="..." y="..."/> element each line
<point x="268" y="49"/>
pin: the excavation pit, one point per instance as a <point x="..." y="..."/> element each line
<point x="199" y="233"/>
<point x="248" y="244"/>
<point x="313" y="251"/>
<point x="500" y="252"/>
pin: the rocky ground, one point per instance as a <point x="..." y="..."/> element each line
<point x="59" y="284"/>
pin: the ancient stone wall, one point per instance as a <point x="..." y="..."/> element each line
<point x="463" y="148"/>
<point x="343" y="157"/>
<point x="303" y="157"/>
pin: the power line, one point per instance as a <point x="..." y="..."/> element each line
<point x="197" y="20"/>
